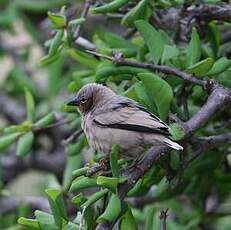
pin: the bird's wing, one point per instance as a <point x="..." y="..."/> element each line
<point x="131" y="118"/>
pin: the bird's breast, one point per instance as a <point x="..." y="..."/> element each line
<point x="93" y="134"/>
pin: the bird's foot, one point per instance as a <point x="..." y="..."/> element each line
<point x="103" y="165"/>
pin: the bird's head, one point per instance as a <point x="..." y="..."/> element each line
<point x="90" y="96"/>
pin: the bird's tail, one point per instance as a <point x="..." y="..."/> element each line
<point x="172" y="144"/>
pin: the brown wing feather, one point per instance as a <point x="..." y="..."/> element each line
<point x="131" y="118"/>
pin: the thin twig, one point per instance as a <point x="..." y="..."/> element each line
<point x="163" y="219"/>
<point x="74" y="135"/>
<point x="83" y="15"/>
<point x="160" y="68"/>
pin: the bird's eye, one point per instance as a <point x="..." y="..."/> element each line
<point x="83" y="100"/>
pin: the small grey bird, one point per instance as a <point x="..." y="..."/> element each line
<point x="108" y="119"/>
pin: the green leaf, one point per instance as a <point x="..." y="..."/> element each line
<point x="159" y="92"/>
<point x="108" y="182"/>
<point x="143" y="97"/>
<point x="75" y="149"/>
<point x="213" y="36"/>
<point x="6" y="141"/>
<point x="152" y="38"/>
<point x="82" y="183"/>
<point x="128" y="221"/>
<point x="24" y="144"/>
<point x="39" y="6"/>
<point x="30" y="105"/>
<point x="115" y="41"/>
<point x="48" y="59"/>
<point x="80" y="172"/>
<point x="71" y="226"/>
<point x="177" y="131"/>
<point x="45" y="121"/>
<point x="114" y="161"/>
<point x="140" y="11"/>
<point x="201" y="68"/>
<point x="112" y="210"/>
<point x="55" y="198"/>
<point x="83" y="58"/>
<point x="46" y="220"/>
<point x="29" y="223"/>
<point x="79" y="199"/>
<point x="95" y="197"/>
<point x="194" y="49"/>
<point x="76" y="22"/>
<point x="109" y="7"/>
<point x="105" y="71"/>
<point x="58" y="20"/>
<point x="55" y="43"/>
<point x="169" y="52"/>
<point x="219" y="66"/>
<point x="73" y="162"/>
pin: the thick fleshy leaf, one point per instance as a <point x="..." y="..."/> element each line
<point x="115" y="41"/>
<point x="219" y="66"/>
<point x="24" y="144"/>
<point x="194" y="49"/>
<point x="152" y="38"/>
<point x="159" y="92"/>
<point x="45" y="121"/>
<point x="214" y="37"/>
<point x="79" y="199"/>
<point x="30" y="105"/>
<point x="108" y="182"/>
<point x="7" y="140"/>
<point x="75" y="149"/>
<point x="112" y="210"/>
<point x="29" y="223"/>
<point x="48" y="59"/>
<point x="177" y="131"/>
<point x="169" y="52"/>
<point x="93" y="198"/>
<point x="109" y="7"/>
<point x="46" y="220"/>
<point x="83" y="58"/>
<point x="140" y="11"/>
<point x="58" y="20"/>
<point x="80" y="172"/>
<point x="55" y="43"/>
<point x="128" y="221"/>
<point x="55" y="198"/>
<point x="201" y="68"/>
<point x="76" y="22"/>
<point x="82" y="183"/>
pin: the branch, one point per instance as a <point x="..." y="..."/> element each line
<point x="163" y="218"/>
<point x="188" y="15"/>
<point x="220" y="98"/>
<point x="12" y="166"/>
<point x="11" y="109"/>
<point x="73" y="136"/>
<point x="8" y="205"/>
<point x="160" y="68"/>
<point x="83" y="15"/>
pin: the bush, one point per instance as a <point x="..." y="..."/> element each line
<point x="173" y="57"/>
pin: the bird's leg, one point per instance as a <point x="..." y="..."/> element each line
<point x="103" y="165"/>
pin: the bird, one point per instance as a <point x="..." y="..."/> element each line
<point x="109" y="119"/>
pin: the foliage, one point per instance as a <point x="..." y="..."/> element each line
<point x="46" y="60"/>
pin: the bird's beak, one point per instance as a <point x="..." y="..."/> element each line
<point x="73" y="102"/>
